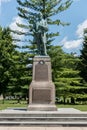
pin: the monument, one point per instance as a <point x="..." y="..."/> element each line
<point x="42" y="89"/>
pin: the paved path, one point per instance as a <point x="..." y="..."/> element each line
<point x="21" y="110"/>
<point x="43" y="128"/>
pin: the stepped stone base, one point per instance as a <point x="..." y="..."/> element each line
<point x="64" y="117"/>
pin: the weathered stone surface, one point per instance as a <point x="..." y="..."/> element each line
<point x="41" y="96"/>
<point x="42" y="89"/>
<point x="41" y="72"/>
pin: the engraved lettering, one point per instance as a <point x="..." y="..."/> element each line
<point x="41" y="72"/>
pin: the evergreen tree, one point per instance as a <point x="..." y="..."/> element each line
<point x="21" y="76"/>
<point x="66" y="75"/>
<point x="82" y="66"/>
<point x="56" y="53"/>
<point x="29" y="10"/>
<point x="6" y="62"/>
<point x="83" y="58"/>
<point x="70" y="79"/>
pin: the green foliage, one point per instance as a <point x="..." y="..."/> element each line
<point x="6" y="54"/>
<point x="83" y="58"/>
<point x="82" y="67"/>
<point x="56" y="55"/>
<point x="66" y="75"/>
<point x="20" y="75"/>
<point x="29" y="12"/>
<point x="15" y="77"/>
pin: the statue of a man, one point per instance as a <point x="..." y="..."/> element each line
<point x="40" y="29"/>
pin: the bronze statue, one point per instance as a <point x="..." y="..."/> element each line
<point x="39" y="28"/>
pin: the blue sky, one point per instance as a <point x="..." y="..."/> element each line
<point x="70" y="36"/>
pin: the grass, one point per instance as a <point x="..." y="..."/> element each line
<point x="13" y="103"/>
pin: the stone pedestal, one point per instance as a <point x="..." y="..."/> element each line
<point x="42" y="89"/>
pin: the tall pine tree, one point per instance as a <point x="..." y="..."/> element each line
<point x="7" y="50"/>
<point x="29" y="11"/>
<point x="83" y="57"/>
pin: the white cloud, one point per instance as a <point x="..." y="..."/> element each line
<point x="80" y="29"/>
<point x="14" y="27"/>
<point x="71" y="44"/>
<point x="14" y="22"/>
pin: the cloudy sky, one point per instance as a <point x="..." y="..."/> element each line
<point x="71" y="36"/>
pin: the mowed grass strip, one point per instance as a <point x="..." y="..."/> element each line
<point x="14" y="103"/>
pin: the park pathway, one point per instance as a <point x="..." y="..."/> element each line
<point x="43" y="128"/>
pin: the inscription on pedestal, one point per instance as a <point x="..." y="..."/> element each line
<point x="41" y="96"/>
<point x="41" y="72"/>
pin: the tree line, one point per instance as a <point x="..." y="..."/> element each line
<point x="69" y="72"/>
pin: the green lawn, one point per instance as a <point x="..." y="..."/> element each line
<point x="13" y="103"/>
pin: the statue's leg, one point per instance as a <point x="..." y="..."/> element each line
<point x="39" y="44"/>
<point x="44" y="42"/>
